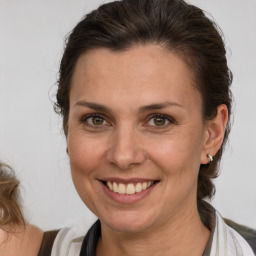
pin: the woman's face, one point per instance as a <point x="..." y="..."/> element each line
<point x="135" y="136"/>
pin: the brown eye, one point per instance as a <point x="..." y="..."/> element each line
<point x="95" y="120"/>
<point x="159" y="121"/>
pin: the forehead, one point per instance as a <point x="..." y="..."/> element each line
<point x="151" y="71"/>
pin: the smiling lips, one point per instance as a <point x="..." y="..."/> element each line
<point x="130" y="188"/>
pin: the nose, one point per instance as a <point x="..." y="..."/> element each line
<point x="126" y="150"/>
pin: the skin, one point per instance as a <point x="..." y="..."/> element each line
<point x="24" y="241"/>
<point x="130" y="143"/>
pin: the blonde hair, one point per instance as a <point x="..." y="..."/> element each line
<point x="10" y="208"/>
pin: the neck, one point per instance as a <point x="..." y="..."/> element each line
<point x="183" y="234"/>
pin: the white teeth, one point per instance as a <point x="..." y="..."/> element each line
<point x="138" y="187"/>
<point x="128" y="189"/>
<point x="121" y="189"/>
<point x="115" y="187"/>
<point x="144" y="185"/>
<point x="109" y="184"/>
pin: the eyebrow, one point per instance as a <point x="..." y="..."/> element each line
<point x="94" y="106"/>
<point x="158" y="106"/>
<point x="142" y="109"/>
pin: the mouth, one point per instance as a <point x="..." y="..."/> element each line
<point x="128" y="187"/>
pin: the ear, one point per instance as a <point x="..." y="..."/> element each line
<point x="214" y="133"/>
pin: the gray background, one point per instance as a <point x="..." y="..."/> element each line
<point x="32" y="142"/>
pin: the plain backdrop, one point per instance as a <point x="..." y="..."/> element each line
<point x="32" y="36"/>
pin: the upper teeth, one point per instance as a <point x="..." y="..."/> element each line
<point x="130" y="188"/>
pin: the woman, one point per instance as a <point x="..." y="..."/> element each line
<point x="145" y="99"/>
<point x="16" y="237"/>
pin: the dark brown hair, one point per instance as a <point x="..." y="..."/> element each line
<point x="10" y="210"/>
<point x="180" y="27"/>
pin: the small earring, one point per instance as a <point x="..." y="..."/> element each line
<point x="210" y="158"/>
<point x="67" y="150"/>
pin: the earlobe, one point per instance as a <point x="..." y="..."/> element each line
<point x="215" y="131"/>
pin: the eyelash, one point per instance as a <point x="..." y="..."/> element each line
<point x="84" y="120"/>
<point x="168" y="119"/>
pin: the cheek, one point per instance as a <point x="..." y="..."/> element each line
<point x="179" y="162"/>
<point x="85" y="152"/>
<point x="177" y="155"/>
<point x="85" y="155"/>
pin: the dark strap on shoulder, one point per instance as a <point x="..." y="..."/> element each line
<point x="47" y="243"/>
<point x="91" y="240"/>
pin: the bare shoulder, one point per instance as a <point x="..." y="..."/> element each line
<point x="23" y="241"/>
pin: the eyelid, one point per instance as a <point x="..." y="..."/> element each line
<point x="84" y="119"/>
<point x="170" y="120"/>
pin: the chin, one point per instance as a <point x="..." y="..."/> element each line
<point x="128" y="222"/>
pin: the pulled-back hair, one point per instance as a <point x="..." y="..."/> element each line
<point x="10" y="210"/>
<point x="174" y="24"/>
